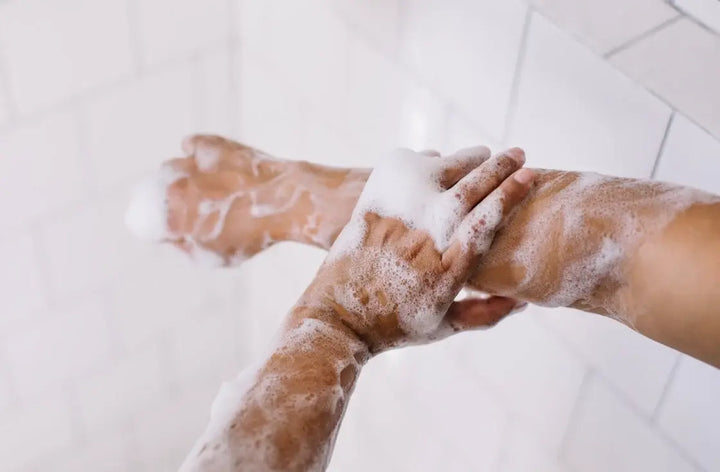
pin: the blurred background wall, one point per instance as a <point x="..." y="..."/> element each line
<point x="111" y="350"/>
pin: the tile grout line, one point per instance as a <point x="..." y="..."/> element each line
<point x="693" y="18"/>
<point x="666" y="390"/>
<point x="572" y="418"/>
<point x="663" y="142"/>
<point x="633" y="41"/>
<point x="234" y="56"/>
<point x="519" y="67"/>
<point x="134" y="39"/>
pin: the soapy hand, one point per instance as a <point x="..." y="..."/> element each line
<point x="417" y="231"/>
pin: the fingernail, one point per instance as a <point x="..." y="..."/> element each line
<point x="519" y="307"/>
<point x="525" y="176"/>
<point x="517" y="154"/>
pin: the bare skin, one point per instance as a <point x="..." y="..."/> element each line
<point x="658" y="275"/>
<point x="285" y="416"/>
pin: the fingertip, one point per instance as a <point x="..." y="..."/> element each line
<point x="517" y="154"/>
<point x="525" y="177"/>
<point x="188" y="144"/>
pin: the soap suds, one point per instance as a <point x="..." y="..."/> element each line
<point x="630" y="210"/>
<point x="147" y="214"/>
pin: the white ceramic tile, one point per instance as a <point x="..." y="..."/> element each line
<point x="607" y="435"/>
<point x="131" y="129"/>
<point x="41" y="169"/>
<point x="309" y="57"/>
<point x="163" y="291"/>
<point x="167" y="430"/>
<point x="691" y="156"/>
<point x="440" y="390"/>
<point x="636" y="365"/>
<point x="105" y="452"/>
<point x="461" y="133"/>
<point x="109" y="398"/>
<point x="5" y="104"/>
<point x="524" y="451"/>
<point x="64" y="345"/>
<point x="689" y="413"/>
<point x="20" y="275"/>
<point x="606" y="25"/>
<point x="576" y="112"/>
<point x="376" y="20"/>
<point x="55" y="50"/>
<point x="705" y="11"/>
<point x="537" y="377"/>
<point x="26" y="434"/>
<point x="206" y="345"/>
<point x="681" y="63"/>
<point x="215" y="94"/>
<point x="171" y="28"/>
<point x="388" y="108"/>
<point x="468" y="51"/>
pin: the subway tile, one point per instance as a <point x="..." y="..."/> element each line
<point x="57" y="50"/>
<point x="609" y="24"/>
<point x="388" y="108"/>
<point x="110" y="452"/>
<point x="461" y="133"/>
<point x="468" y="51"/>
<point x="167" y="430"/>
<point x="536" y="376"/>
<point x="42" y="428"/>
<point x="206" y="345"/>
<point x="608" y="435"/>
<point x="64" y="344"/>
<point x="169" y="29"/>
<point x="575" y="112"/>
<point x="525" y="451"/>
<point x="41" y="170"/>
<point x="706" y="12"/>
<point x="681" y="63"/>
<point x="21" y="275"/>
<point x="637" y="366"/>
<point x="132" y="129"/>
<point x="378" y="21"/>
<point x="310" y="56"/>
<point x="691" y="156"/>
<point x="689" y="413"/>
<point x="110" y="398"/>
<point x="215" y="89"/>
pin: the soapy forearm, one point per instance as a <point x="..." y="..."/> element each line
<point x="284" y="415"/>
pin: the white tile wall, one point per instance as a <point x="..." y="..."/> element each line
<point x="56" y="50"/>
<point x="690" y="149"/>
<point x="64" y="345"/>
<point x="606" y="25"/>
<point x="111" y="349"/>
<point x="40" y="158"/>
<point x="635" y="365"/>
<point x="608" y="123"/>
<point x="456" y="44"/>
<point x="705" y="11"/>
<point x="168" y="29"/>
<point x="679" y="63"/>
<point x="608" y="435"/>
<point x="688" y="414"/>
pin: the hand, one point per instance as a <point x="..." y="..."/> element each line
<point x="418" y="230"/>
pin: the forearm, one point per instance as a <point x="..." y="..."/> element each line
<point x="284" y="416"/>
<point x="596" y="243"/>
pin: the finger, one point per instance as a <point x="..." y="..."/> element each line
<point x="475" y="313"/>
<point x="476" y="231"/>
<point x="478" y="184"/>
<point x="461" y="163"/>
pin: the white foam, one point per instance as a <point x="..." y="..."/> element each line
<point x="147" y="214"/>
<point x="590" y="199"/>
<point x="406" y="185"/>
